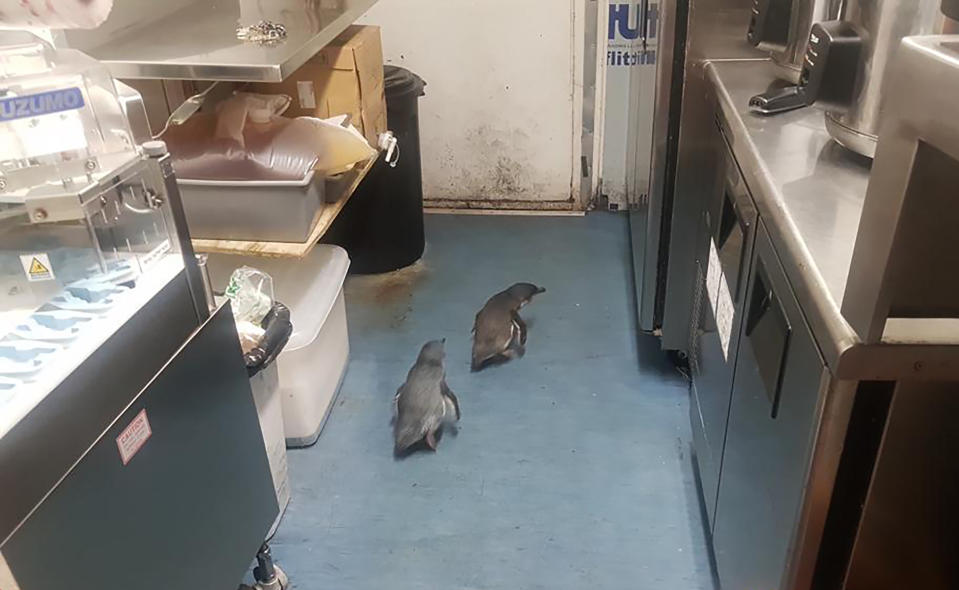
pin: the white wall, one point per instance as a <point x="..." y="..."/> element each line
<point x="501" y="120"/>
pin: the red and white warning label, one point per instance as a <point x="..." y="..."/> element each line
<point x="134" y="436"/>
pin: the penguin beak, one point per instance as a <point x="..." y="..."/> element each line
<point x="443" y="340"/>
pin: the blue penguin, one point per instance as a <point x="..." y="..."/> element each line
<point x="499" y="334"/>
<point x="424" y="403"/>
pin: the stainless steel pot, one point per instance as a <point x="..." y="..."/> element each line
<point x="847" y="61"/>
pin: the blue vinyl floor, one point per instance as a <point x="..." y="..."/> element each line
<point x="571" y="467"/>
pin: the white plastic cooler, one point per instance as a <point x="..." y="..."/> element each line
<point x="313" y="363"/>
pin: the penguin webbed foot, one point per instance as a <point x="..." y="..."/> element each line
<point x="517" y="351"/>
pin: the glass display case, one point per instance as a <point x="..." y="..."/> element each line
<point x="107" y="337"/>
<point x="87" y="235"/>
<point x="67" y="286"/>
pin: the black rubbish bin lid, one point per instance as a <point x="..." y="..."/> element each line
<point x="951" y="8"/>
<point x="397" y="81"/>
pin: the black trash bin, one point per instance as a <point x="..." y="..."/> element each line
<point x="382" y="225"/>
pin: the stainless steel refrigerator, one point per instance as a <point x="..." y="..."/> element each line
<point x="663" y="234"/>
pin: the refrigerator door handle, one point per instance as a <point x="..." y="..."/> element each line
<point x="768" y="331"/>
<point x="644" y="22"/>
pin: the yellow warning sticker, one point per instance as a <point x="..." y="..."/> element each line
<point x="37" y="267"/>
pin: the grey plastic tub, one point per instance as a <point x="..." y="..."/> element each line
<point x="266" y="211"/>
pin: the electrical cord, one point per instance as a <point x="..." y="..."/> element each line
<point x="186" y="110"/>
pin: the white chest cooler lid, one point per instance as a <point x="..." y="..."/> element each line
<point x="308" y="286"/>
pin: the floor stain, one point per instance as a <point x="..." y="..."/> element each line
<point x="391" y="294"/>
<point x="392" y="287"/>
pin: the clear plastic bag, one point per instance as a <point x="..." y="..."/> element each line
<point x="250" y="336"/>
<point x="338" y="147"/>
<point x="232" y="115"/>
<point x="246" y="139"/>
<point x="251" y="293"/>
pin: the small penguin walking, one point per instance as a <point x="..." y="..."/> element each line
<point x="424" y="403"/>
<point x="499" y="334"/>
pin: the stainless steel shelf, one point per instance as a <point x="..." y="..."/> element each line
<point x="196" y="39"/>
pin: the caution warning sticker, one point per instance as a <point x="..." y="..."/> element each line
<point x="37" y="267"/>
<point x="133" y="437"/>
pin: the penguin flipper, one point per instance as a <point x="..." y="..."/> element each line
<point x="520" y="327"/>
<point x="431" y="440"/>
<point x="452" y="397"/>
<point x="396" y="397"/>
<point x="396" y="403"/>
<point x="517" y="344"/>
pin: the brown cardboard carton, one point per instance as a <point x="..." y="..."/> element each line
<point x="345" y="77"/>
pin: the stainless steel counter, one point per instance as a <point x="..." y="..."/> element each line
<point x="811" y="184"/>
<point x="811" y="491"/>
<point x="196" y="39"/>
<point x="810" y="192"/>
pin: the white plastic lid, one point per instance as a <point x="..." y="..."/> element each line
<point x="308" y="286"/>
<point x="155" y="148"/>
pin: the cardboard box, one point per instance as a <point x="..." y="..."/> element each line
<point x="345" y="77"/>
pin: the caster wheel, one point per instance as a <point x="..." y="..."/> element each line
<point x="282" y="578"/>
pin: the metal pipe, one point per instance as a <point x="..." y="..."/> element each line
<point x="201" y="262"/>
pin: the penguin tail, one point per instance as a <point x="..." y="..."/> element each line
<point x="400" y="448"/>
<point x="406" y="438"/>
<point x="482" y="356"/>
